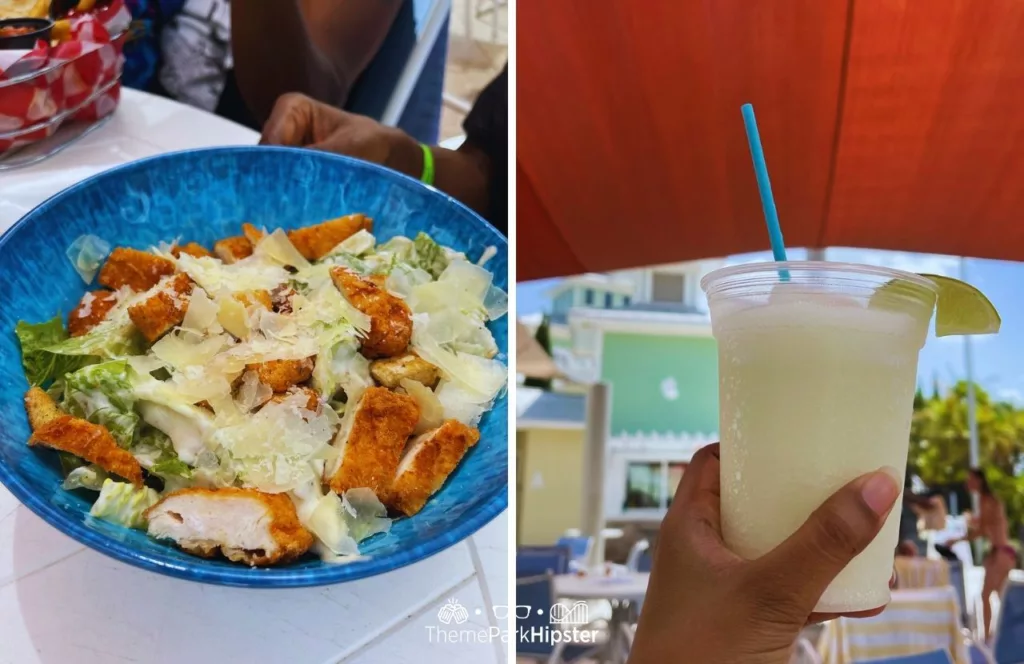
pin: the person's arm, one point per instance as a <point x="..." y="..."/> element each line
<point x="476" y="174"/>
<point x="316" y="47"/>
<point x="464" y="174"/>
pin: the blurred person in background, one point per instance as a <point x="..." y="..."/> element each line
<point x="476" y="173"/>
<point x="990" y="523"/>
<point x="236" y="59"/>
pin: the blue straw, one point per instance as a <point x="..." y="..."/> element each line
<point x="764" y="187"/>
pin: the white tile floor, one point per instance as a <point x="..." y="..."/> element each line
<point x="61" y="602"/>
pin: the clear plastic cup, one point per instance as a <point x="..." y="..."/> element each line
<point x="817" y="374"/>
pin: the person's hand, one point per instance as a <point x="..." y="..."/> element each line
<point x="706" y="604"/>
<point x="300" y="121"/>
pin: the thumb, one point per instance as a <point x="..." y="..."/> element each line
<point x="831" y="537"/>
<point x="290" y="122"/>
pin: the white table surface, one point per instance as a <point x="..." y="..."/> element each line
<point x="62" y="603"/>
<point x="632" y="586"/>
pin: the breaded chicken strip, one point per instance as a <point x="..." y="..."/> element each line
<point x="279" y="375"/>
<point x="427" y="462"/>
<point x="193" y="249"/>
<point x="390" y="317"/>
<point x="41" y="408"/>
<point x="90" y="312"/>
<point x="92" y="442"/>
<point x="233" y="249"/>
<point x="136" y="269"/>
<point x="369" y="450"/>
<point x="244" y="525"/>
<point x="315" y="242"/>
<point x="164" y="310"/>
<point x="252" y="234"/>
<point x="389" y="372"/>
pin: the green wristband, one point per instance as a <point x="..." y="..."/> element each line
<point x="428" y="165"/>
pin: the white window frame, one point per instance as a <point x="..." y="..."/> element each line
<point x="663" y="499"/>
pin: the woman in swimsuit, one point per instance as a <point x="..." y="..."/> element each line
<point x="991" y="524"/>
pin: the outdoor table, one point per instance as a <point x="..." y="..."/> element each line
<point x="624" y="592"/>
<point x="63" y="602"/>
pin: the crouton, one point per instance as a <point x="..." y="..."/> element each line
<point x="390" y="371"/>
<point x="41" y="408"/>
<point x="136" y="269"/>
<point x="369" y="449"/>
<point x="315" y="242"/>
<point x="192" y="249"/>
<point x="164" y="310"/>
<point x="233" y="249"/>
<point x="253" y="234"/>
<point x="243" y="525"/>
<point x="390" y="317"/>
<point x="90" y="312"/>
<point x="89" y="441"/>
<point x="427" y="462"/>
<point x="279" y="375"/>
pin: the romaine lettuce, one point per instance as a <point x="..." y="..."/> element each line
<point x="428" y="255"/>
<point x="89" y="477"/>
<point x="102" y="394"/>
<point x="124" y="504"/>
<point x="41" y="365"/>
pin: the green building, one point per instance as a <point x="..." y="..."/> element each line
<point x="646" y="333"/>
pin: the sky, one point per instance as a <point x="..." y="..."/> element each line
<point x="998" y="359"/>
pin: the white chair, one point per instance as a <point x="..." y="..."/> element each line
<point x="434" y="20"/>
<point x="635" y="553"/>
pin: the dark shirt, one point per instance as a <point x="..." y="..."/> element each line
<point x="486" y="128"/>
<point x="370" y="92"/>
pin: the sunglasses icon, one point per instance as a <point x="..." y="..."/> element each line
<point x="522" y="611"/>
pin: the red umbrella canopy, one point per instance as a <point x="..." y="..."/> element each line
<point x="891" y="124"/>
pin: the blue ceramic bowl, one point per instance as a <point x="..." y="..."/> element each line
<point x="202" y="196"/>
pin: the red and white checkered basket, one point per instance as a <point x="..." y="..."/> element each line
<point x="75" y="81"/>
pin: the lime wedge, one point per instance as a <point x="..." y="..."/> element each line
<point x="962" y="309"/>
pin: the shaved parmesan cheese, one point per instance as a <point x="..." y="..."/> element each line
<point x="276" y="326"/>
<point x="482" y="377"/>
<point x="460" y="404"/>
<point x="261" y="349"/>
<point x="356" y="245"/>
<point x="466" y="277"/>
<point x="431" y="409"/>
<point x="280" y="249"/>
<point x="325" y="518"/>
<point x="252" y="273"/>
<point x="272" y="450"/>
<point x="404" y="278"/>
<point x="325" y="310"/>
<point x="201" y="314"/>
<point x="178" y="351"/>
<point x="252" y="393"/>
<point x="232" y="316"/>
